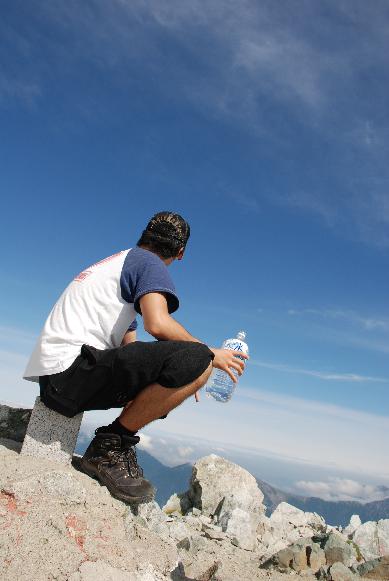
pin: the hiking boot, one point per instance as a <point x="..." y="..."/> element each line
<point x="112" y="460"/>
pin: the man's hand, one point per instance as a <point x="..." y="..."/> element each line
<point x="225" y="359"/>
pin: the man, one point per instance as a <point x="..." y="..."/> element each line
<point x="87" y="356"/>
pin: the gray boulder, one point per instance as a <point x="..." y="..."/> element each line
<point x="14" y="422"/>
<point x="338" y="550"/>
<point x="304" y="555"/>
<point x="339" y="572"/>
<point x="375" y="569"/>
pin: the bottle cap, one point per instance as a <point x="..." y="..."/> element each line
<point x="241" y="335"/>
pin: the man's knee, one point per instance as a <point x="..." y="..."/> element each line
<point x="191" y="363"/>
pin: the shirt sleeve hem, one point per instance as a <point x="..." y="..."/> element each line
<point x="172" y="299"/>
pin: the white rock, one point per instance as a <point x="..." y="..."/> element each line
<point x="241" y="526"/>
<point x="150" y="516"/>
<point x="354" y="523"/>
<point x="172" y="505"/>
<point x="228" y="493"/>
<point x="286" y="513"/>
<point x="372" y="539"/>
<point x="215" y="478"/>
<point x="285" y="526"/>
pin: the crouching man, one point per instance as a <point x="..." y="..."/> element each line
<point x="87" y="356"/>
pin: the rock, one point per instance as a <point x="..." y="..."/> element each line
<point x="99" y="570"/>
<point x="213" y="533"/>
<point x="285" y="526"/>
<point x="51" y="435"/>
<point x="194" y="522"/>
<point x="173" y="505"/>
<point x="375" y="569"/>
<point x="14" y="422"/>
<point x="301" y="556"/>
<point x="66" y="519"/>
<point x="338" y="550"/>
<point x="354" y="523"/>
<point x="150" y="516"/>
<point x="230" y="494"/>
<point x="241" y="526"/>
<point x="372" y="539"/>
<point x="339" y="572"/>
<point x="284" y="558"/>
<point x="90" y="571"/>
<point x="323" y="574"/>
<point x="286" y="514"/>
<point x="316" y="559"/>
<point x="215" y="479"/>
<point x="60" y="485"/>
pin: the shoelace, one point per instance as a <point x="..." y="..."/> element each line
<point x="128" y="460"/>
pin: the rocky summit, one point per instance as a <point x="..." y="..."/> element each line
<point x="57" y="523"/>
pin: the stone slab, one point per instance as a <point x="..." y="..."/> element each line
<point x="51" y="435"/>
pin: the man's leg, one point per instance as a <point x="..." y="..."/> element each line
<point x="111" y="457"/>
<point x="155" y="401"/>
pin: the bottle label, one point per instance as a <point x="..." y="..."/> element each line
<point x="236" y="345"/>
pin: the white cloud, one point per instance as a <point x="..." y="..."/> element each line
<point x="342" y="489"/>
<point x="293" y="428"/>
<point x="185" y="451"/>
<point x="146" y="442"/>
<point x="366" y="323"/>
<point x="300" y="405"/>
<point x="328" y="376"/>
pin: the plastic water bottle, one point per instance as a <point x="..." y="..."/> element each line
<point x="220" y="385"/>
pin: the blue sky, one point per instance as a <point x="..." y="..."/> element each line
<point x="266" y="126"/>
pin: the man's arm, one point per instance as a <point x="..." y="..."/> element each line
<point x="129" y="337"/>
<point x="158" y="322"/>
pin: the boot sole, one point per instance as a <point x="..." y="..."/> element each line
<point x="92" y="473"/>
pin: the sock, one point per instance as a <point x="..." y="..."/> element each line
<point x="115" y="428"/>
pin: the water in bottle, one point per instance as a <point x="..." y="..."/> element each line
<point x="220" y="385"/>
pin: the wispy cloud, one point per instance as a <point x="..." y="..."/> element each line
<point x="313" y="407"/>
<point x="20" y="90"/>
<point x="328" y="376"/>
<point x="253" y="65"/>
<point x="367" y="323"/>
<point x="342" y="489"/>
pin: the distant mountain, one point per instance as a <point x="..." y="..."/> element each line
<point x="334" y="512"/>
<point x="166" y="479"/>
<point x="169" y="480"/>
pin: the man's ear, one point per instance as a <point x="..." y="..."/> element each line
<point x="180" y="255"/>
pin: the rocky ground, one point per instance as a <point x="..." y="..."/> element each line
<point x="57" y="523"/>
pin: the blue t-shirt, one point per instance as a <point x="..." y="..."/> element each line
<point x="144" y="272"/>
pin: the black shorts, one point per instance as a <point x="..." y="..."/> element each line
<point x="103" y="379"/>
